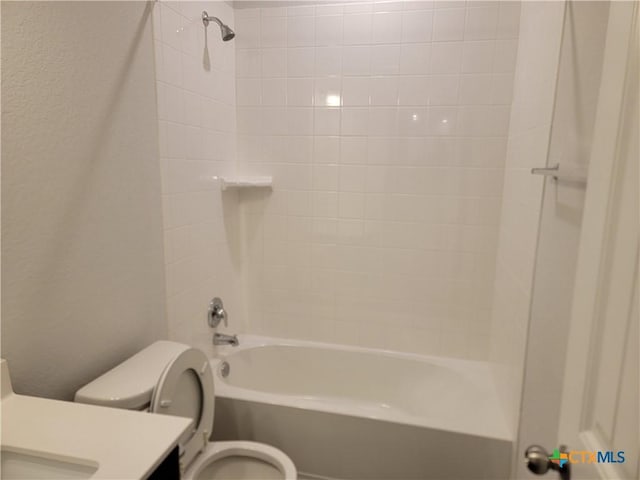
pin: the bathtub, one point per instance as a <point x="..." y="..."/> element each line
<point x="355" y="413"/>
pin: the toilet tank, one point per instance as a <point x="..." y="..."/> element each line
<point x="130" y="385"/>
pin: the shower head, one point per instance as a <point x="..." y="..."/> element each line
<point x="227" y="33"/>
<point x="225" y="30"/>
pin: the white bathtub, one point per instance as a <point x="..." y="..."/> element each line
<point x="348" y="412"/>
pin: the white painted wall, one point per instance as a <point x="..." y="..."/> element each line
<point x="384" y="125"/>
<point x="579" y="74"/>
<point x="529" y="131"/>
<point x="197" y="124"/>
<point x="83" y="283"/>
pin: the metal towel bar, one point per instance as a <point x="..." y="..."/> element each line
<point x="555" y="172"/>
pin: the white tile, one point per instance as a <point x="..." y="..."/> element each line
<point x="328" y="30"/>
<point x="481" y="23"/>
<point x="193" y="109"/>
<point x="382" y="151"/>
<point x="414" y="59"/>
<point x="248" y="91"/>
<point x="355" y="91"/>
<point x="477" y="57"/>
<point x="172" y="66"/>
<point x="353" y="150"/>
<point x="172" y="26"/>
<point x="274" y="62"/>
<point x="443" y="90"/>
<point x="300" y="31"/>
<point x="354" y="121"/>
<point x="162" y="101"/>
<point x="446" y="58"/>
<point x="274" y="91"/>
<point x="273" y="32"/>
<point x="175" y="140"/>
<point x="448" y="25"/>
<point x="357" y="29"/>
<point x="413" y="90"/>
<point x="417" y="27"/>
<point x="476" y="89"/>
<point x="248" y="63"/>
<point x="329" y="10"/>
<point x="326" y="121"/>
<point x="328" y="61"/>
<point x="247" y="13"/>
<point x="358" y="7"/>
<point x="325" y="177"/>
<point x="299" y="149"/>
<point x="274" y="121"/>
<point x="325" y="203"/>
<point x="377" y="179"/>
<point x="350" y="205"/>
<point x="383" y="121"/>
<point x="384" y="91"/>
<point x="505" y="56"/>
<point x="412" y="121"/>
<point x="442" y="121"/>
<point x="174" y="104"/>
<point x="502" y="89"/>
<point x="508" y="20"/>
<point x="483" y="120"/>
<point x="300" y="62"/>
<point x="351" y="178"/>
<point x="300" y="92"/>
<point x="387" y="6"/>
<point x="300" y="121"/>
<point x="301" y="10"/>
<point x="326" y="150"/>
<point x="273" y="12"/>
<point x="385" y="59"/>
<point x="356" y="60"/>
<point x="327" y="92"/>
<point x="387" y="27"/>
<point x="157" y="22"/>
<point x="250" y="32"/>
<point x="395" y="162"/>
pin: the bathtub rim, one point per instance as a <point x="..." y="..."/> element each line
<point x="248" y="341"/>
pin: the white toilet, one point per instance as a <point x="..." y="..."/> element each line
<point x="173" y="379"/>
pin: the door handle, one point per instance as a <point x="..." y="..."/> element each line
<point x="540" y="462"/>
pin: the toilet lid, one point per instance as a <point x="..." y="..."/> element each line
<point x="185" y="389"/>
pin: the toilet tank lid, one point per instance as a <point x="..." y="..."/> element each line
<point x="130" y="384"/>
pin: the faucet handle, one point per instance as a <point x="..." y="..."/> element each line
<point x="216" y="313"/>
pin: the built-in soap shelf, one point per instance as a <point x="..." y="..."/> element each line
<point x="246" y="181"/>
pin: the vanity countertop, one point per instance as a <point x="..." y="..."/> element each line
<point x="121" y="443"/>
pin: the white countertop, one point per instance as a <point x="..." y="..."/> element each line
<point x="122" y="444"/>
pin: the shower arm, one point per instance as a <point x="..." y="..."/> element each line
<point x="206" y="18"/>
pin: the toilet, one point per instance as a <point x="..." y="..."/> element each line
<point x="170" y="378"/>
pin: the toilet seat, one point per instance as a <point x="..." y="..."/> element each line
<point x="241" y="449"/>
<point x="186" y="389"/>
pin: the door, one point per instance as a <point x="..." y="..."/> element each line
<point x="597" y="413"/>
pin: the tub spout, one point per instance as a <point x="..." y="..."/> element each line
<point x="222" y="339"/>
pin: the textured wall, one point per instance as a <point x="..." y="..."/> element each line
<point x="384" y="125"/>
<point x="196" y="109"/>
<point x="82" y="276"/>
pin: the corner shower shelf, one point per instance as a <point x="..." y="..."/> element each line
<point x="246" y="181"/>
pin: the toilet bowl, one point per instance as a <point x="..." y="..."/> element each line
<point x="169" y="378"/>
<point x="240" y="460"/>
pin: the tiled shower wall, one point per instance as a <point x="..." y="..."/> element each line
<point x="384" y="126"/>
<point x="196" y="108"/>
